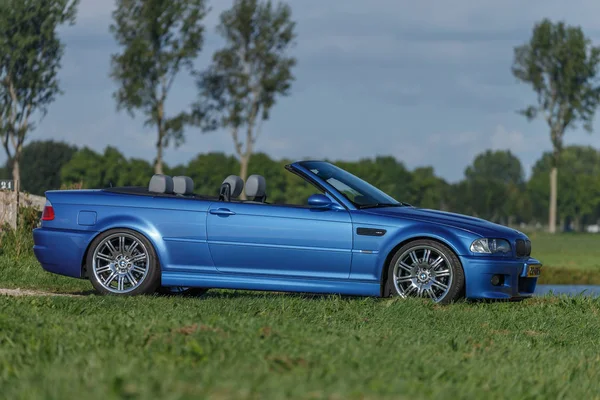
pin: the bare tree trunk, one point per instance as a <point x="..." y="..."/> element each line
<point x="245" y="156"/>
<point x="553" y="197"/>
<point x="577" y="223"/>
<point x="158" y="164"/>
<point x="16" y="173"/>
<point x="244" y="161"/>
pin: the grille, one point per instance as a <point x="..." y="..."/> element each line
<point x="523" y="248"/>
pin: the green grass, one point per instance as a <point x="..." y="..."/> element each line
<point x="570" y="251"/>
<point x="568" y="258"/>
<point x="235" y="345"/>
<point x="240" y="344"/>
<point x="26" y="273"/>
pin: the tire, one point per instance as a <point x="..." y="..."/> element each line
<point x="425" y="268"/>
<point x="182" y="291"/>
<point x="123" y="262"/>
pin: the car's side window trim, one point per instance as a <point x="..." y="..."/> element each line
<point x="303" y="206"/>
<point x="304" y="174"/>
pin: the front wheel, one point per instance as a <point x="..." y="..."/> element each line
<point x="123" y="262"/>
<point x="425" y="268"/>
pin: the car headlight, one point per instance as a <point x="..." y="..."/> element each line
<point x="490" y="246"/>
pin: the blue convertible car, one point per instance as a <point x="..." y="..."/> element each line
<point x="350" y="238"/>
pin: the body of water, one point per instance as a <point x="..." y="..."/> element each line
<point x="571" y="290"/>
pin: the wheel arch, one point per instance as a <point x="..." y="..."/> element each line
<point x="135" y="228"/>
<point x="390" y="254"/>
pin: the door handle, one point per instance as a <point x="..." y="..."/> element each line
<point x="221" y="211"/>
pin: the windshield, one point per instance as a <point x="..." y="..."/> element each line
<point x="359" y="192"/>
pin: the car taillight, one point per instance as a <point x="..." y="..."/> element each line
<point x="48" y="214"/>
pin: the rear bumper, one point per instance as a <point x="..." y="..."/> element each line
<point x="513" y="272"/>
<point x="61" y="252"/>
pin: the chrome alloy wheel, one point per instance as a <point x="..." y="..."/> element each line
<point x="423" y="271"/>
<point x="120" y="263"/>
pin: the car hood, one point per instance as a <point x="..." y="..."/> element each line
<point x="472" y="224"/>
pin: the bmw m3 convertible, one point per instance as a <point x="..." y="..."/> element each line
<point x="349" y="238"/>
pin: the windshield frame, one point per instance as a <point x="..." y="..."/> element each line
<point x="377" y="194"/>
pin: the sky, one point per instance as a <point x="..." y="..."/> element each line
<point x="426" y="81"/>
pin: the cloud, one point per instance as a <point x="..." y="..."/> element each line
<point x="428" y="82"/>
<point x="500" y="138"/>
<point x="93" y="10"/>
<point x="503" y="139"/>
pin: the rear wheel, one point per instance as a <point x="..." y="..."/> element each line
<point x="123" y="262"/>
<point x="425" y="268"/>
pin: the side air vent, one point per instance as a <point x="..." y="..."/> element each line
<point x="370" y="231"/>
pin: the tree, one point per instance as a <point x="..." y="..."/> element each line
<point x="561" y="66"/>
<point x="580" y="185"/>
<point x="209" y="170"/>
<point x="41" y="162"/>
<point x="494" y="185"/>
<point x="5" y="172"/>
<point x="384" y="172"/>
<point x="247" y="75"/>
<point x="159" y="38"/>
<point x="30" y="56"/>
<point x="93" y="170"/>
<point x="459" y="198"/>
<point x="274" y="173"/>
<point x="428" y="190"/>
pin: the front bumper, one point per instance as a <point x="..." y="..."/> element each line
<point x="61" y="252"/>
<point x="515" y="284"/>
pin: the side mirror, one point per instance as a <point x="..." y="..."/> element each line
<point x="321" y="201"/>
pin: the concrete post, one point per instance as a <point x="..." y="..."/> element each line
<point x="8" y="208"/>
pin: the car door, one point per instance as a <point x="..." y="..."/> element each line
<point x="279" y="240"/>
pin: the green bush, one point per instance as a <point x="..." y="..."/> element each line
<point x="19" y="242"/>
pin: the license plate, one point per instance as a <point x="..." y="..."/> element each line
<point x="534" y="270"/>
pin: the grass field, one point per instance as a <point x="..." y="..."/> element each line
<point x="568" y="258"/>
<point x="239" y="344"/>
<point x="232" y="345"/>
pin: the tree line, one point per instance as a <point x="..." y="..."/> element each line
<point x="493" y="187"/>
<point x="159" y="40"/>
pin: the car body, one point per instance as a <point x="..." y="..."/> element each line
<point x="336" y="243"/>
